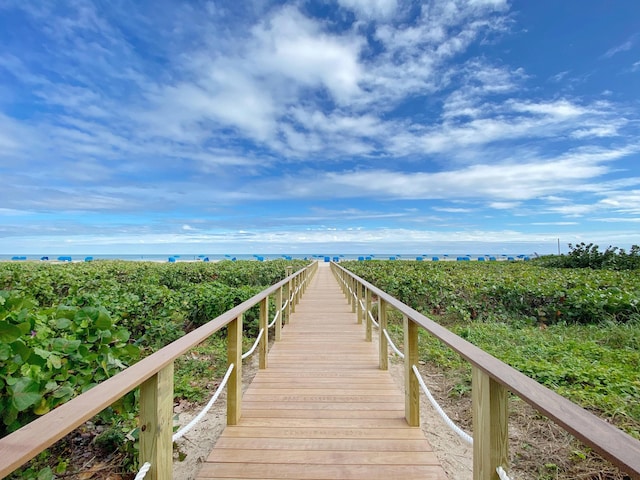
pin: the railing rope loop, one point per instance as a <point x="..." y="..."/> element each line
<point x="255" y="345"/>
<point x="275" y="317"/>
<point x="461" y="433"/>
<point x="143" y="471"/>
<point x="180" y="433"/>
<point x="502" y="474"/>
<point x="391" y="344"/>
<point x="373" y="320"/>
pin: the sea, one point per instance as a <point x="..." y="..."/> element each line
<point x="168" y="257"/>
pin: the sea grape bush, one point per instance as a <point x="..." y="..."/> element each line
<point x="585" y="255"/>
<point x="64" y="328"/>
<point x="508" y="290"/>
<point x="49" y="355"/>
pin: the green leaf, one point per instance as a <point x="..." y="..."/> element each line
<point x="25" y="327"/>
<point x="132" y="351"/>
<point x="45" y="474"/>
<point x="19" y="348"/>
<point x="103" y="322"/>
<point x="26" y="393"/>
<point x="63" y="392"/>
<point x="9" y="333"/>
<point x="63" y="345"/>
<point x="5" y="352"/>
<point x="122" y="335"/>
<point x="54" y="362"/>
<point x="41" y="353"/>
<point x="42" y="407"/>
<point x="63" y="323"/>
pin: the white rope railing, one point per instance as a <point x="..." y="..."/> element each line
<point x="275" y="317"/>
<point x="373" y="320"/>
<point x="461" y="433"/>
<point x="180" y="433"/>
<point x="391" y="344"/>
<point x="502" y="474"/>
<point x="143" y="471"/>
<point x="255" y="345"/>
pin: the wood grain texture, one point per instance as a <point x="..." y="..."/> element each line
<point x="323" y="408"/>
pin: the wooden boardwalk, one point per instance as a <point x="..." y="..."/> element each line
<point x="322" y="409"/>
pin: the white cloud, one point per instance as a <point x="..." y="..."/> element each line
<point x="291" y="45"/>
<point x="371" y="9"/>
<point x="623" y="47"/>
<point x="504" y="205"/>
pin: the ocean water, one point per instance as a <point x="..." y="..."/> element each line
<point x="218" y="257"/>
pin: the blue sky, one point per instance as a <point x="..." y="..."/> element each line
<point x="335" y="126"/>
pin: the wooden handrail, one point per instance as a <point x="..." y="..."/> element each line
<point x="612" y="443"/>
<point x="22" y="445"/>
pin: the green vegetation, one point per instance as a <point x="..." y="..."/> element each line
<point x="589" y="256"/>
<point x="64" y="328"/>
<point x="576" y="331"/>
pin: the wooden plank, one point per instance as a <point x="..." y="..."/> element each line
<point x="322" y="472"/>
<point x="336" y="392"/>
<point x="363" y="423"/>
<point x="360" y="406"/>
<point x="250" y="412"/>
<point x="326" y="457"/>
<point x="324" y="398"/>
<point x="320" y="444"/>
<point x="311" y="432"/>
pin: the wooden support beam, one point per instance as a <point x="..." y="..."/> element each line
<point x="156" y="424"/>
<point x="369" y="328"/>
<point x="411" y="385"/>
<point x="359" y="297"/>
<point x="384" y="347"/>
<point x="234" y="385"/>
<point x="354" y="299"/>
<point x="264" y="326"/>
<point x="490" y="426"/>
<point x="292" y="302"/>
<point x="280" y="315"/>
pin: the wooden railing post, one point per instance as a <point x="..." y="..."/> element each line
<point x="292" y="302"/>
<point x="411" y="385"/>
<point x="354" y="299"/>
<point x="359" y="297"/>
<point x="288" y="310"/>
<point x="490" y="426"/>
<point x="156" y="424"/>
<point x="280" y="314"/>
<point x="264" y="325"/>
<point x="234" y="386"/>
<point x="367" y="315"/>
<point x="384" y="347"/>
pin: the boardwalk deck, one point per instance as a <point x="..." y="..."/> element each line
<point x="322" y="409"/>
